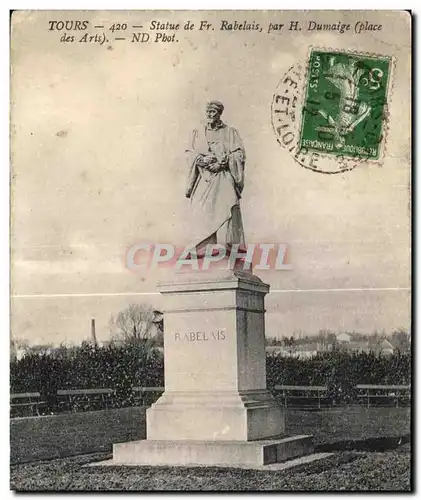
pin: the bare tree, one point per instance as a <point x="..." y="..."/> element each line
<point x="133" y="324"/>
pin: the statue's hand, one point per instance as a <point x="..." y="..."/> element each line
<point x="224" y="159"/>
<point x="206" y="160"/>
<point x="216" y="167"/>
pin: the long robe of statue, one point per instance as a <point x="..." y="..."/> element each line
<point x="215" y="197"/>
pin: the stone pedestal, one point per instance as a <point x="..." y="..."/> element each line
<point x="253" y="454"/>
<point x="215" y="408"/>
<point x="215" y="363"/>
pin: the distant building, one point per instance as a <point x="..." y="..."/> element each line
<point x="307" y="350"/>
<point x="386" y="347"/>
<point x="158" y="320"/>
<point x="275" y="349"/>
<point x="344" y="341"/>
<point x="343" y="337"/>
<point x="357" y="343"/>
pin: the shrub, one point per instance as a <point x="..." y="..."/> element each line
<point x="122" y="367"/>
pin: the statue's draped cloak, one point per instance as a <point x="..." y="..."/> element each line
<point x="215" y="197"/>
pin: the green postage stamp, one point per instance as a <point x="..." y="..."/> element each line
<point x="345" y="104"/>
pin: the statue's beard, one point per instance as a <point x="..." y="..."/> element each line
<point x="213" y="121"/>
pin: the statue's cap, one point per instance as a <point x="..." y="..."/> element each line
<point x="216" y="105"/>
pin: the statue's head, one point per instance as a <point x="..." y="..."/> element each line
<point x="214" y="111"/>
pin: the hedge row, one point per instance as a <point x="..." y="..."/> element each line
<point x="340" y="369"/>
<point x="122" y="367"/>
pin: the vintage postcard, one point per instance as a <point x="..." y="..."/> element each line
<point x="210" y="250"/>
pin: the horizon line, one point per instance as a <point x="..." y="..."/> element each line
<point x="128" y="294"/>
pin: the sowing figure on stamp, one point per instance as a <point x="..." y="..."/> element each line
<point x="216" y="160"/>
<point x="351" y="112"/>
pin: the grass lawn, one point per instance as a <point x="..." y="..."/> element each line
<point x="348" y="470"/>
<point x="371" y="452"/>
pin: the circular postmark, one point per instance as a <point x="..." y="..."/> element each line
<point x="331" y="115"/>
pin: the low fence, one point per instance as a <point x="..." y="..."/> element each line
<point x="290" y="396"/>
<point x="26" y="403"/>
<point x="85" y="399"/>
<point x="303" y="396"/>
<point x="383" y="395"/>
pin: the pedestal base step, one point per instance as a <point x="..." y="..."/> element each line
<point x="211" y="453"/>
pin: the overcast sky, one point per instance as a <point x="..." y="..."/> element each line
<point x="98" y="139"/>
